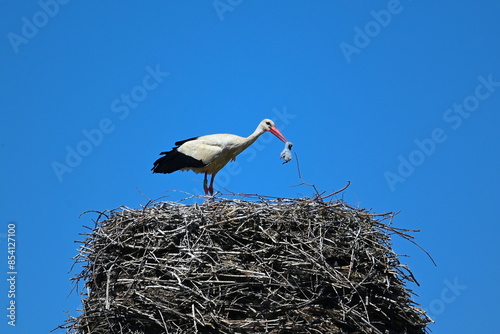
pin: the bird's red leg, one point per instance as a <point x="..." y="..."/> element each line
<point x="205" y="185"/>
<point x="211" y="188"/>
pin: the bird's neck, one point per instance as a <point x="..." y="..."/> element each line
<point x="256" y="134"/>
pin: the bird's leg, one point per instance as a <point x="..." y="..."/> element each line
<point x="205" y="185"/>
<point x="211" y="188"/>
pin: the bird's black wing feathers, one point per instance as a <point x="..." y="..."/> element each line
<point x="179" y="143"/>
<point x="174" y="160"/>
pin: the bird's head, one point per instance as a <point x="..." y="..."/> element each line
<point x="268" y="125"/>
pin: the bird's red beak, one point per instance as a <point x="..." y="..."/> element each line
<point x="274" y="130"/>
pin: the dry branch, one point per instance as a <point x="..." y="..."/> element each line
<point x="245" y="266"/>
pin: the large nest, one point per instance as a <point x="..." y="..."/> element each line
<point x="245" y="266"/>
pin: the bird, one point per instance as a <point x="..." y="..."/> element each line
<point x="209" y="154"/>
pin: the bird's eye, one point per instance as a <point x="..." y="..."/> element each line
<point x="268" y="123"/>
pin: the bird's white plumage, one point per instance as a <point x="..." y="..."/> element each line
<point x="214" y="150"/>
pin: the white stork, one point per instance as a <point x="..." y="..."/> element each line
<point x="209" y="154"/>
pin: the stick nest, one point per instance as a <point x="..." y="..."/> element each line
<point x="244" y="266"/>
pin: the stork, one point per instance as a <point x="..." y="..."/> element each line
<point x="209" y="154"/>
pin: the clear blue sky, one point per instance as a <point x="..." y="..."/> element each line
<point x="402" y="98"/>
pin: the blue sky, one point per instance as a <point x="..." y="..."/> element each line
<point x="401" y="98"/>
